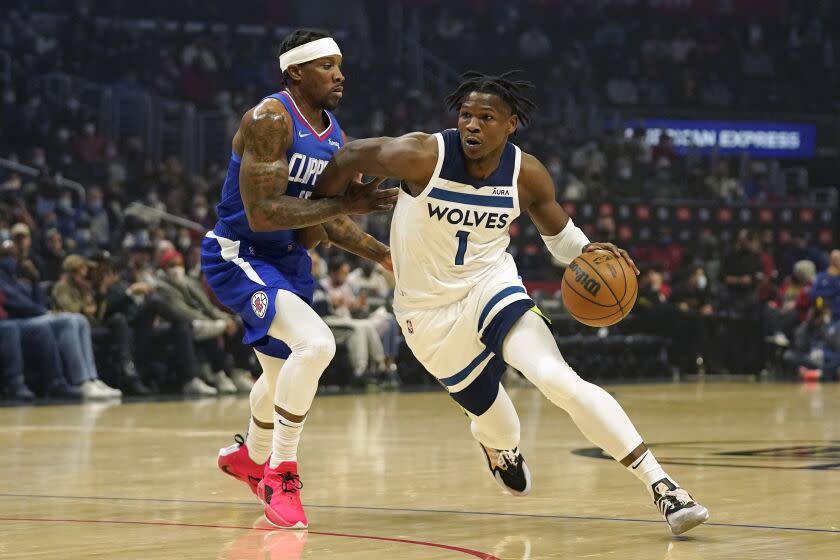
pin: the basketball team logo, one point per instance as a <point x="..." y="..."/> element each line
<point x="259" y="303"/>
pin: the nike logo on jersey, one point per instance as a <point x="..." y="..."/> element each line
<point x="304" y="169"/>
<point x="302" y="135"/>
<point x="471" y="218"/>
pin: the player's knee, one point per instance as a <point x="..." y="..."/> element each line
<point x="319" y="350"/>
<point x="558" y="378"/>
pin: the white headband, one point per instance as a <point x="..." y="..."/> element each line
<point x="309" y="51"/>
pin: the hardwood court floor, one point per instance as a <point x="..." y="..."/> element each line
<point x="398" y="476"/>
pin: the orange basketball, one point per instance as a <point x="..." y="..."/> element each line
<point x="599" y="289"/>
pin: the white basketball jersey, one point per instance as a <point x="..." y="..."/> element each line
<point x="456" y="232"/>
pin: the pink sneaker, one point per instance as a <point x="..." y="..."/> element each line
<point x="236" y="462"/>
<point x="280" y="492"/>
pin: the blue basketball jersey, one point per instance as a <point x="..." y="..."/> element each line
<point x="308" y="156"/>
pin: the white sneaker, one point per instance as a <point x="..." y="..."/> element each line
<point x="677" y="506"/>
<point x="197" y="387"/>
<point x="111" y="391"/>
<point x="223" y="383"/>
<point x="243" y="380"/>
<point x="91" y="391"/>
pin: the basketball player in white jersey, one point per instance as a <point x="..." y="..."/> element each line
<point x="459" y="300"/>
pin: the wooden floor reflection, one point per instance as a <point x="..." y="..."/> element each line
<point x="398" y="476"/>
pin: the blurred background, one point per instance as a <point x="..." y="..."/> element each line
<point x="701" y="135"/>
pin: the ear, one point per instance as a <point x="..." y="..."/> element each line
<point x="294" y="72"/>
<point x="513" y="124"/>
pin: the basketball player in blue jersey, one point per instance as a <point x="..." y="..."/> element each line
<point x="459" y="300"/>
<point x="256" y="262"/>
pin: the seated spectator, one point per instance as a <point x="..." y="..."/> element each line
<point x="29" y="263"/>
<point x="374" y="292"/>
<point x="162" y="334"/>
<point x="792" y="303"/>
<point x="68" y="334"/>
<point x="816" y="347"/>
<point x="692" y="329"/>
<point x="364" y="345"/>
<point x="827" y="285"/>
<point x="214" y="329"/>
<point x="53" y="256"/>
<point x="73" y="293"/>
<point x="12" y="382"/>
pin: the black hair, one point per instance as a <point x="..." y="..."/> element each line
<point x="511" y="91"/>
<point x="300" y="37"/>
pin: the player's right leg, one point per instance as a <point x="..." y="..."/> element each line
<point x="312" y="348"/>
<point x="530" y="348"/>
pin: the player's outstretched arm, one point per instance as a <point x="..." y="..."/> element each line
<point x="563" y="238"/>
<point x="264" y="174"/>
<point x="411" y="158"/>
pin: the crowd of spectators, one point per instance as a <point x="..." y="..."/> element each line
<point x="88" y="286"/>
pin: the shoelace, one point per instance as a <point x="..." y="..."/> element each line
<point x="507" y="458"/>
<point x="291" y="483"/>
<point x="665" y="503"/>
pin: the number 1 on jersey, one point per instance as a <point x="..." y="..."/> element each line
<point x="462" y="246"/>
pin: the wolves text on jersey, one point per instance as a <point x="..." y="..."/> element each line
<point x="473" y="218"/>
<point x="305" y="169"/>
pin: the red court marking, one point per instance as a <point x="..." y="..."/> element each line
<point x="475" y="553"/>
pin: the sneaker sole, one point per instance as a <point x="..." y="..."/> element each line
<point x="297" y="526"/>
<point x="690" y="520"/>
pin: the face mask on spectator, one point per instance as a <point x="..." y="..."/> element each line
<point x="95" y="205"/>
<point x="184" y="242"/>
<point x="702" y="282"/>
<point x="201" y="212"/>
<point x="62" y="134"/>
<point x="65" y="203"/>
<point x="39" y="160"/>
<point x="83" y="235"/>
<point x="177" y="273"/>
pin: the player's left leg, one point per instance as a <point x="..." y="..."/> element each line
<point x="245" y="460"/>
<point x="530" y="348"/>
<point x="497" y="431"/>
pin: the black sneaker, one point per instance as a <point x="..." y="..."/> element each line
<point x="679" y="508"/>
<point x="508" y="469"/>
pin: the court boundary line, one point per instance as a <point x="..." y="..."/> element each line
<point x="422" y="510"/>
<point x="476" y="553"/>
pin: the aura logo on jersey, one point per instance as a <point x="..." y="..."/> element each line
<point x="470" y="218"/>
<point x="588" y="283"/>
<point x="305" y="169"/>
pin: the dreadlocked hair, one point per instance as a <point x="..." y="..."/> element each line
<point x="300" y="37"/>
<point x="509" y="90"/>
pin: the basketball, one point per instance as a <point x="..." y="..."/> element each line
<point x="599" y="289"/>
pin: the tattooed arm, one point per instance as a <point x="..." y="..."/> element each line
<point x="347" y="234"/>
<point x="264" y="136"/>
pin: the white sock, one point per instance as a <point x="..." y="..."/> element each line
<point x="259" y="441"/>
<point x="285" y="440"/>
<point x="647" y="469"/>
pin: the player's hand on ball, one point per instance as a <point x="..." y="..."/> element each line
<point x="364" y="198"/>
<point x="620" y="253"/>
